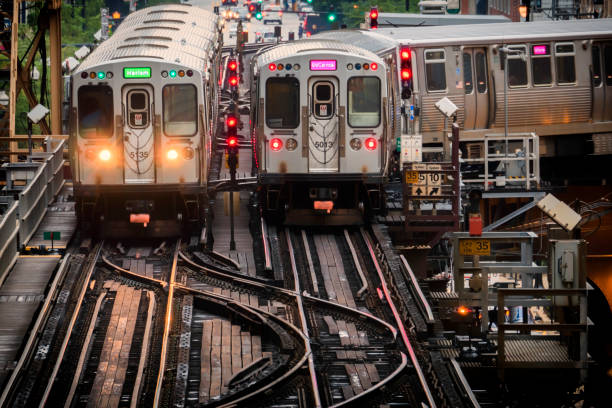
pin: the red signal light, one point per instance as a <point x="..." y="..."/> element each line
<point x="371" y="143"/>
<point x="232" y="65"/>
<point x="232" y="141"/>
<point x="231" y="121"/>
<point x="272" y="67"/>
<point x="373" y="66"/>
<point x="251" y="7"/>
<point x="374" y="13"/>
<point x="233" y="80"/>
<point x="405" y="54"/>
<point x="406" y="73"/>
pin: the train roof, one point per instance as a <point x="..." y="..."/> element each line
<point x="422" y="20"/>
<point x="289" y="49"/>
<point x="501" y="32"/>
<point x="174" y="33"/>
<point x="372" y="41"/>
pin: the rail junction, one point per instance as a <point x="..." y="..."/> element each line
<point x="248" y="311"/>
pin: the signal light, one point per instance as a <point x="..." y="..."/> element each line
<point x="232" y="142"/>
<point x="231" y="121"/>
<point x="374" y="17"/>
<point x="331" y="17"/>
<point x="406" y="74"/>
<point x="232" y="65"/>
<point x="405" y="54"/>
<point x="276" y="144"/>
<point x="251" y="7"/>
<point x="233" y="80"/>
<point x="371" y="143"/>
<point x="463" y="311"/>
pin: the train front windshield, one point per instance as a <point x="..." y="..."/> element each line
<point x="95" y="111"/>
<point x="364" y="101"/>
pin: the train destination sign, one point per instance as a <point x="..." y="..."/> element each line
<point x="322" y="65"/>
<point x="136" y="72"/>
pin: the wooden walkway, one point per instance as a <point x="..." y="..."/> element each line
<point x="111" y="372"/>
<point x="334" y="278"/>
<point x="226" y="350"/>
<point x="20" y="297"/>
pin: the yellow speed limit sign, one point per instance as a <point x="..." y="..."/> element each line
<point x="412" y="177"/>
<point x="475" y="247"/>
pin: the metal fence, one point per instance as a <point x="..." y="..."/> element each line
<point x="8" y="240"/>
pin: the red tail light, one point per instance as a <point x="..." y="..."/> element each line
<point x="406" y="73"/>
<point x="373" y="66"/>
<point x="370" y="143"/>
<point x="272" y="67"/>
<point x="276" y="144"/>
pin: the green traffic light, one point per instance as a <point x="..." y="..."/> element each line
<point x="331" y="17"/>
<point x="258" y="15"/>
<point x="309" y="1"/>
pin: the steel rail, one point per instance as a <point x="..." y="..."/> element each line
<point x="417" y="288"/>
<point x="134" y="276"/>
<point x="300" y="303"/>
<point x="464" y="383"/>
<point x="90" y="269"/>
<point x="364" y="281"/>
<point x="144" y="351"/>
<point x="400" y="324"/>
<point x="167" y="324"/>
<point x="313" y="275"/>
<point x="248" y="280"/>
<point x="266" y="247"/>
<point x="34" y="333"/>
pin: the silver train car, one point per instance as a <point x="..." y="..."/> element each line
<point x="143" y="109"/>
<point x="321" y="126"/>
<point x="559" y="76"/>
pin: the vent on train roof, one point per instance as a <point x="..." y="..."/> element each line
<point x="143" y="45"/>
<point x="164" y="20"/>
<point x="157" y="28"/>
<point x="149" y="37"/>
<point x="167" y="11"/>
<point x="137" y="56"/>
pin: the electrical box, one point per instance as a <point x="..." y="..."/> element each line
<point x="568" y="268"/>
<point x="411" y="149"/>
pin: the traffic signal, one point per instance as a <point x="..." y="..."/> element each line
<point x="331" y="17"/>
<point x="232" y="77"/>
<point x="252" y="7"/>
<point x="231" y="141"/>
<point x="309" y="1"/>
<point x="406" y="72"/>
<point x="258" y="13"/>
<point x="374" y="17"/>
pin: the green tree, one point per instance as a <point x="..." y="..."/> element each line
<point x="352" y="13"/>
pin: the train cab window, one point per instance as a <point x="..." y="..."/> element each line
<point x="323" y="99"/>
<point x="363" y="102"/>
<point x="540" y="64"/>
<point x="608" y="64"/>
<point x="517" y="67"/>
<point x="566" y="69"/>
<point x="435" y="71"/>
<point x="180" y="110"/>
<point x="467" y="73"/>
<point x="138" y="109"/>
<point x="596" y="61"/>
<point x="481" y="72"/>
<point x="282" y="103"/>
<point x="95" y="111"/>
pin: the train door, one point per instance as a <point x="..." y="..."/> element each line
<point x="323" y="125"/>
<point x="138" y="140"/>
<point x="602" y="81"/>
<point x="476" y="87"/>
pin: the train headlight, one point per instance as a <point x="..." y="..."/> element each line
<point x="172" y="154"/>
<point x="371" y="143"/>
<point x="276" y="144"/>
<point x="104" y="155"/>
<point x="188" y="153"/>
<point x="291" y="144"/>
<point x="355" y="144"/>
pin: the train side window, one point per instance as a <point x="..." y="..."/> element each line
<point x="138" y="109"/>
<point x="541" y="64"/>
<point x="608" y="64"/>
<point x="467" y="73"/>
<point x="566" y="69"/>
<point x="282" y="103"/>
<point x="517" y="67"/>
<point x="180" y="110"/>
<point x="95" y="111"/>
<point x="435" y="71"/>
<point x="481" y="72"/>
<point x="363" y="101"/>
<point x="596" y="61"/>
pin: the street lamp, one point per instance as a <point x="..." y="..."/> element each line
<point x="508" y="51"/>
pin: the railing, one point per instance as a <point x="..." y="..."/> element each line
<point x="8" y="240"/>
<point x="40" y="190"/>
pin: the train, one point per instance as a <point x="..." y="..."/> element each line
<point x="321" y="130"/>
<point x="143" y="117"/>
<point x="559" y="77"/>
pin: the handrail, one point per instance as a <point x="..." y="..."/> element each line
<point x="417" y="287"/>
